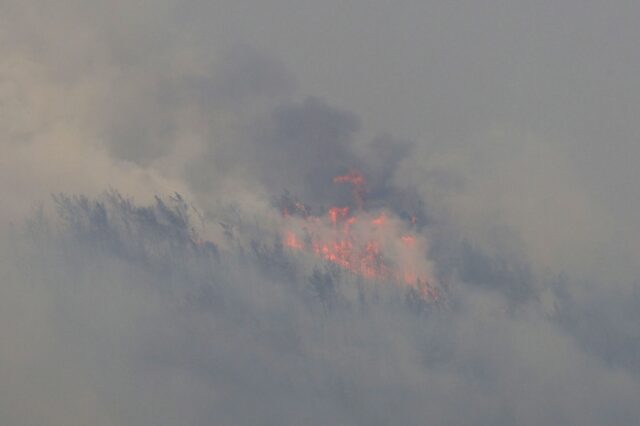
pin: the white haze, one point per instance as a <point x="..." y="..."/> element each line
<point x="507" y="129"/>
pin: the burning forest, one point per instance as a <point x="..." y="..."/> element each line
<point x="319" y="213"/>
<point x="376" y="245"/>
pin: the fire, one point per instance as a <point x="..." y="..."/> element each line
<point x="408" y="240"/>
<point x="354" y="178"/>
<point x="338" y="214"/>
<point x="381" y="220"/>
<point x="376" y="246"/>
<point x="291" y="241"/>
<point x="358" y="183"/>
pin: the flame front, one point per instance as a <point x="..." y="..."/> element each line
<point x="376" y="246"/>
<point x="357" y="181"/>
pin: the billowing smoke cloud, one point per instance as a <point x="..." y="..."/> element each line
<point x="267" y="291"/>
<point x="125" y="315"/>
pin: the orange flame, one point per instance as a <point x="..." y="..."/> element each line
<point x="381" y="220"/>
<point x="372" y="246"/>
<point x="358" y="183"/>
<point x="291" y="240"/>
<point x="408" y="240"/>
<point x="338" y="214"/>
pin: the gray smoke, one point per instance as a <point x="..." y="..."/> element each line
<point x="506" y="132"/>
<point x="123" y="315"/>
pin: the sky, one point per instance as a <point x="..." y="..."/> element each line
<point x="151" y="155"/>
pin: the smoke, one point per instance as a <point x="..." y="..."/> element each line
<point x="128" y="315"/>
<point x="270" y="288"/>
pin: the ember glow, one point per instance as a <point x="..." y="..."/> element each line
<point x="357" y="181"/>
<point x="374" y="245"/>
